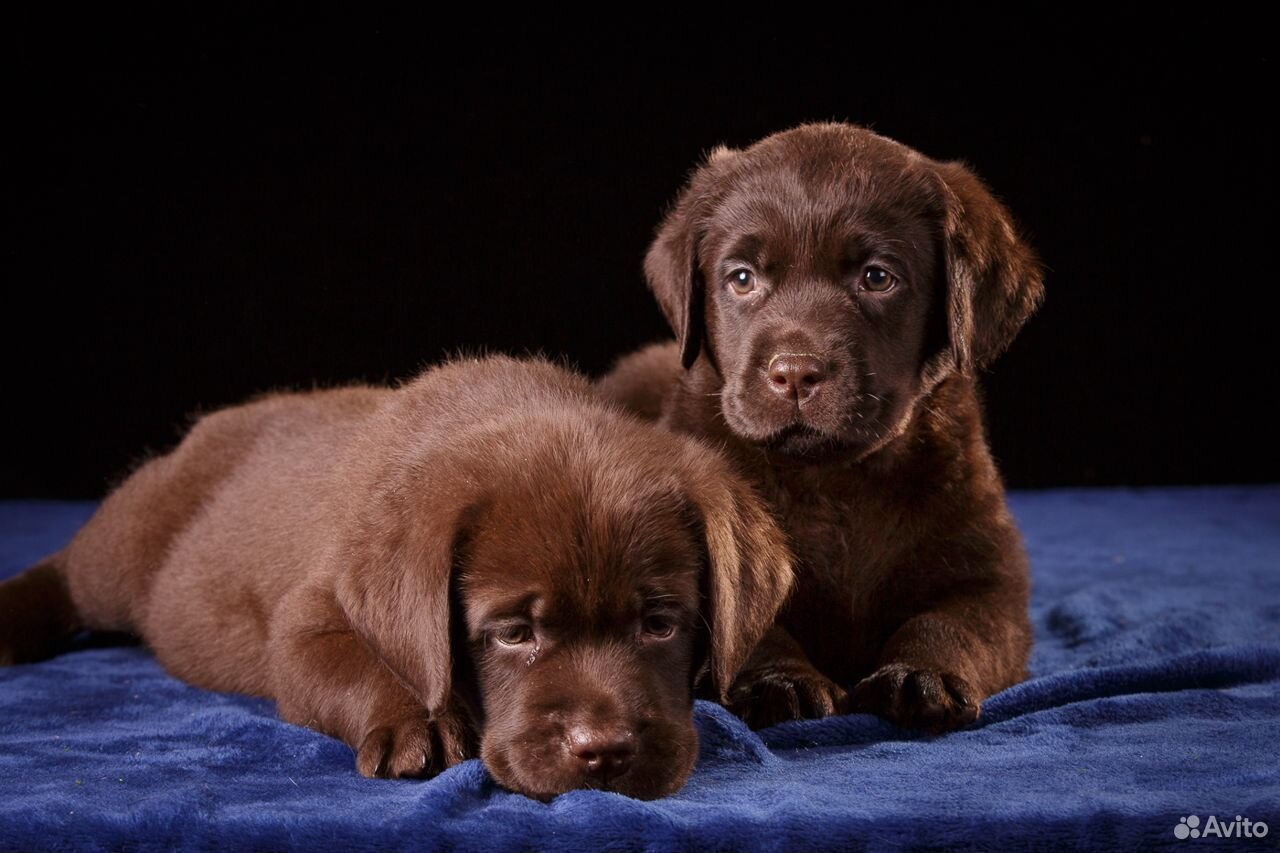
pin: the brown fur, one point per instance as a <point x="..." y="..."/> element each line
<point x="855" y="409"/>
<point x="487" y="553"/>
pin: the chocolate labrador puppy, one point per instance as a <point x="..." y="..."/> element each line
<point x="487" y="554"/>
<point x="834" y="294"/>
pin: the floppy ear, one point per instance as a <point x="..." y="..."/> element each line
<point x="993" y="277"/>
<point x="671" y="264"/>
<point x="749" y="571"/>
<point x="393" y="586"/>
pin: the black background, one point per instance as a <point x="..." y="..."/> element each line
<point x="196" y="217"/>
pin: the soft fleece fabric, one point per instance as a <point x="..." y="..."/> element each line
<point x="1155" y="695"/>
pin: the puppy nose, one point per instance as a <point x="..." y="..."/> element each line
<point x="605" y="752"/>
<point x="796" y="375"/>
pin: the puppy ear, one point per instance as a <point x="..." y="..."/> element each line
<point x="749" y="572"/>
<point x="994" y="278"/>
<point x="393" y="586"/>
<point x="671" y="264"/>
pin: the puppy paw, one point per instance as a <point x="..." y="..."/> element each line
<point x="413" y="747"/>
<point x="765" y="697"/>
<point x="922" y="699"/>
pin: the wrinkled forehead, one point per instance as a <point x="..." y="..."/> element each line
<point x="580" y="560"/>
<point x="805" y="202"/>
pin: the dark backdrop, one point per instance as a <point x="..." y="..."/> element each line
<point x="194" y="219"/>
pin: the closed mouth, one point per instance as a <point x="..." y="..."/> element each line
<point x="798" y="436"/>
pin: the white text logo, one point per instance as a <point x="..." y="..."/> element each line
<point x="1241" y="827"/>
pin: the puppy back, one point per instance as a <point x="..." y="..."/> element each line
<point x="229" y="458"/>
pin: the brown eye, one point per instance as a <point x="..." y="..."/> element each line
<point x="742" y="281"/>
<point x="656" y="626"/>
<point x="513" y="635"/>
<point x="878" y="280"/>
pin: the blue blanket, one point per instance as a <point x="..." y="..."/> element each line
<point x="1153" y="713"/>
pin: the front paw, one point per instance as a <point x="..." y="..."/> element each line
<point x="767" y="696"/>
<point x="413" y="746"/>
<point x="935" y="702"/>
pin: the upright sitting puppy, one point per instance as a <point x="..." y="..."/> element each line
<point x="833" y="293"/>
<point x="488" y="552"/>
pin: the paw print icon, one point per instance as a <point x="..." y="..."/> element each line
<point x="1188" y="827"/>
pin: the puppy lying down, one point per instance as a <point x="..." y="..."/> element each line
<point x="485" y="559"/>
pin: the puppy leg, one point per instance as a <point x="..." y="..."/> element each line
<point x="939" y="665"/>
<point x="779" y="684"/>
<point x="326" y="678"/>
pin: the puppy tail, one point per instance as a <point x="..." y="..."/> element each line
<point x="37" y="617"/>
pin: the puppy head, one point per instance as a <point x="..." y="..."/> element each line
<point x="832" y="277"/>
<point x="596" y="569"/>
